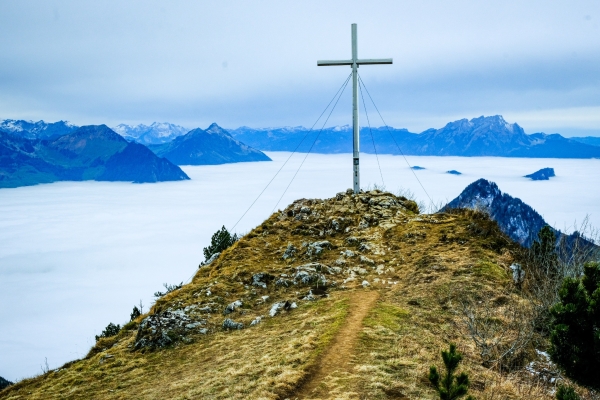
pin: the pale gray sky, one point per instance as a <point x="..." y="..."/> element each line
<point x="254" y="63"/>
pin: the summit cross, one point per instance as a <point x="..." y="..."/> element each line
<point x="354" y="63"/>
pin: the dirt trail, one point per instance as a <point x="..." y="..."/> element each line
<point x="338" y="357"/>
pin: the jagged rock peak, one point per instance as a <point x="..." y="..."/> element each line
<point x="214" y="128"/>
<point x="516" y="219"/>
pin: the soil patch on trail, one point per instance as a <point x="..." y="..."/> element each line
<point x="339" y="356"/>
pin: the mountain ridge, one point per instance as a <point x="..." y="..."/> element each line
<point x="481" y="136"/>
<point x="93" y="152"/>
<point x="211" y="146"/>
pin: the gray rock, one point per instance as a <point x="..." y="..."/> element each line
<point x="347" y="253"/>
<point x="162" y="329"/>
<point x="232" y="307"/>
<point x="261" y="279"/>
<point x="283" y="305"/>
<point x="316" y="248"/>
<point x="211" y="259"/>
<point x="283" y="282"/>
<point x="366" y="260"/>
<point x="364" y="247"/>
<point x="256" y="321"/>
<point x="289" y="252"/>
<point x="230" y="324"/>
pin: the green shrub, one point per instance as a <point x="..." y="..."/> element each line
<point x="135" y="313"/>
<point x="110" y="330"/>
<point x="220" y="241"/>
<point x="575" y="330"/>
<point x="566" y="393"/>
<point x="450" y="387"/>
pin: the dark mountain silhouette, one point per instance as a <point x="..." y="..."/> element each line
<point x="516" y="219"/>
<point x="483" y="136"/>
<point x="92" y="152"/>
<point x="207" y="147"/>
<point x="543" y="174"/>
<point x="4" y="383"/>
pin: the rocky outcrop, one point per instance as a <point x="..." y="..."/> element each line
<point x="165" y="328"/>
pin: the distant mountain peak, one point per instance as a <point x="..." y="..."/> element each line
<point x="214" y="128"/>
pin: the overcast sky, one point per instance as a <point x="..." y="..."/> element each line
<point x="254" y="63"/>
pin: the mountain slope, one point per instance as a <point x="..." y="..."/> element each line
<point x="306" y="272"/>
<point x="591" y="140"/>
<point x="207" y="147"/>
<point x="88" y="153"/>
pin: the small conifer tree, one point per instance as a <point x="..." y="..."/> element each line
<point x="450" y="386"/>
<point x="575" y="331"/>
<point x="135" y="313"/>
<point x="110" y="330"/>
<point x="220" y="240"/>
<point x="543" y="252"/>
<point x="566" y="393"/>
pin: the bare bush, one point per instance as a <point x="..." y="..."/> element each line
<point x="501" y="329"/>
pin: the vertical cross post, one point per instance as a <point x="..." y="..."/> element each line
<point x="354" y="63"/>
<point x="355" y="125"/>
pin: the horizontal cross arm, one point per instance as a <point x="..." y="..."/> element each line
<point x="326" y="63"/>
<point x="375" y="61"/>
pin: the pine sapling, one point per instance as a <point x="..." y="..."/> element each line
<point x="566" y="393"/>
<point x="450" y="386"/>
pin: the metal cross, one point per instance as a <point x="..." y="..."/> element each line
<point x="354" y="63"/>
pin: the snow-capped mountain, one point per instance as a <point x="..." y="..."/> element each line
<point x="36" y="130"/>
<point x="156" y="133"/>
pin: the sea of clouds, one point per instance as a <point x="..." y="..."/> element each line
<point x="75" y="256"/>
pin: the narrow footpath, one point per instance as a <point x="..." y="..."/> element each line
<point x="338" y="356"/>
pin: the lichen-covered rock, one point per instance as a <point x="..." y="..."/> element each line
<point x="311" y="273"/>
<point x="230" y="324"/>
<point x="366" y="260"/>
<point x="283" y="305"/>
<point x="283" y="282"/>
<point x="289" y="252"/>
<point x="232" y="307"/>
<point x="347" y="253"/>
<point x="316" y="248"/>
<point x="162" y="329"/>
<point x="261" y="279"/>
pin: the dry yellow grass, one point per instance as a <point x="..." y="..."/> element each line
<point x="418" y="264"/>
